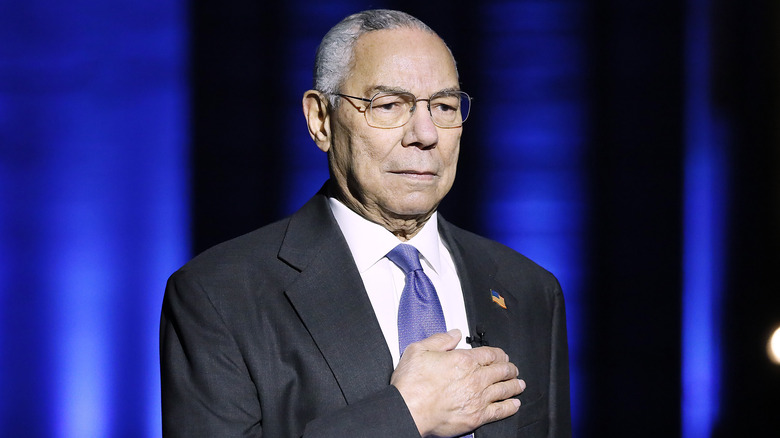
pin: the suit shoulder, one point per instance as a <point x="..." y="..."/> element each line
<point x="237" y="255"/>
<point x="510" y="263"/>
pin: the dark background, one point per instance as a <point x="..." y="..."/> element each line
<point x="635" y="92"/>
<point x="631" y="147"/>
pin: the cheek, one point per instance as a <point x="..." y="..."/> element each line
<point x="452" y="157"/>
<point x="339" y="157"/>
<point x="352" y="151"/>
<point x="373" y="151"/>
<point x="450" y="152"/>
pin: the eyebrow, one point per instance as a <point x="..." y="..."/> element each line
<point x="390" y="89"/>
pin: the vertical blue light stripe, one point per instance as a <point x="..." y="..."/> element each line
<point x="307" y="166"/>
<point x="705" y="196"/>
<point x="534" y="130"/>
<point x="94" y="198"/>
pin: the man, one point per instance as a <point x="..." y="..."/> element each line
<point x="311" y="326"/>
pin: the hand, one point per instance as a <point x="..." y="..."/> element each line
<point x="452" y="392"/>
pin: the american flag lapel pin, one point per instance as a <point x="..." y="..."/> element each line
<point x="497" y="298"/>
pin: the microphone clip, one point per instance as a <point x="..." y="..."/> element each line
<point x="478" y="339"/>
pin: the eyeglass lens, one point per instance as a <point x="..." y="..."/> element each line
<point x="389" y="110"/>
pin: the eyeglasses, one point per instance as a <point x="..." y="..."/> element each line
<point x="448" y="109"/>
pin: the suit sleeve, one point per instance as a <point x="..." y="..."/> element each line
<point x="382" y="415"/>
<point x="560" y="410"/>
<point x="207" y="390"/>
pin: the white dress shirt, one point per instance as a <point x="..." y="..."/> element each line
<point x="384" y="281"/>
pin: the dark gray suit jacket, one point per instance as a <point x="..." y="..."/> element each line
<point x="272" y="334"/>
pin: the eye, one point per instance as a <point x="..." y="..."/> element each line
<point x="443" y="107"/>
<point x="390" y="103"/>
<point x="445" y="104"/>
<point x="387" y="106"/>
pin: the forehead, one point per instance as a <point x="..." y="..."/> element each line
<point x="408" y="59"/>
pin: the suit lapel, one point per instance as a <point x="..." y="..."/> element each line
<point x="476" y="271"/>
<point x="330" y="299"/>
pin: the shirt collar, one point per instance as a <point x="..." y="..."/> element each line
<point x="369" y="242"/>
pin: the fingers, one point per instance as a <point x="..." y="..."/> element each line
<point x="489" y="355"/>
<point x="448" y="341"/>
<point x="438" y="342"/>
<point x="503" y="390"/>
<point x="502" y="405"/>
<point x="500" y="410"/>
<point x="497" y="372"/>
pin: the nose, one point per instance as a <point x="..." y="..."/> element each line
<point x="420" y="130"/>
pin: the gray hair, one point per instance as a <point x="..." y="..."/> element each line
<point x="336" y="51"/>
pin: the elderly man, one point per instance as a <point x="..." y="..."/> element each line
<point x="349" y="318"/>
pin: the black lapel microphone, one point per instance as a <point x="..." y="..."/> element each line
<point x="478" y="339"/>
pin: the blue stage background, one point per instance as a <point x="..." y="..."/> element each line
<point x="606" y="143"/>
<point x="94" y="198"/>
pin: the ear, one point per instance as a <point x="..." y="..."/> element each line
<point x="315" y="109"/>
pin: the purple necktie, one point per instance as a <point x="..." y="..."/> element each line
<point x="419" y="312"/>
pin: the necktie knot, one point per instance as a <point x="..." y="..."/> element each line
<point x="406" y="257"/>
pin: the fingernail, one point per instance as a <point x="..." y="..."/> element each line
<point x="522" y="384"/>
<point x="516" y="402"/>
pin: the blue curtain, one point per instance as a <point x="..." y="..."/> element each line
<point x="94" y="198"/>
<point x="106" y="180"/>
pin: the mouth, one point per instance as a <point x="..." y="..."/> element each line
<point x="415" y="174"/>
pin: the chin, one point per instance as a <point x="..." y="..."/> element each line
<point x="414" y="208"/>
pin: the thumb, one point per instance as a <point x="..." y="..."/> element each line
<point x="441" y="341"/>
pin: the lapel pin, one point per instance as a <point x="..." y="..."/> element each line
<point x="497" y="298"/>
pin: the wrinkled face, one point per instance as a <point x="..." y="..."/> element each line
<point x="401" y="172"/>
